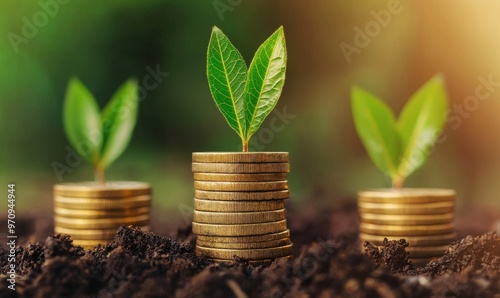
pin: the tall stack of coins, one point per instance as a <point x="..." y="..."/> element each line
<point x="239" y="207"/>
<point x="424" y="217"/>
<point x="91" y="213"/>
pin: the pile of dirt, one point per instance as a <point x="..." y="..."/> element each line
<point x="140" y="264"/>
<point x="469" y="268"/>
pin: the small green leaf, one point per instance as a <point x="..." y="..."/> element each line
<point x="375" y="125"/>
<point x="420" y="124"/>
<point x="81" y="120"/>
<point x="265" y="80"/>
<point x="117" y="121"/>
<point x="226" y="73"/>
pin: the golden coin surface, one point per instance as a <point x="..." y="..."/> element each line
<point x="237" y="206"/>
<point x="91" y="234"/>
<point x="256" y="262"/>
<point x="241" y="186"/>
<point x="404" y="220"/>
<point x="407" y="209"/>
<point x="404" y="231"/>
<point x="241" y="196"/>
<point x="239" y="230"/>
<point x="105" y="190"/>
<point x="245" y="239"/>
<point x="431" y="240"/>
<point x="251" y="254"/>
<point x="239" y="177"/>
<point x="427" y="251"/>
<point x="240" y="167"/>
<point x="240" y="157"/>
<point x="102" y="203"/>
<point x="109" y="213"/>
<point x="244" y="245"/>
<point x="406" y="196"/>
<point x="238" y="217"/>
<point x="100" y="223"/>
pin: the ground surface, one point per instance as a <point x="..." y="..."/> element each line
<point x="327" y="263"/>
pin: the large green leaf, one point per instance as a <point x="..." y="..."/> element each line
<point x="266" y="76"/>
<point x="118" y="120"/>
<point x="420" y="124"/>
<point x="226" y="73"/>
<point x="375" y="125"/>
<point x="81" y="120"/>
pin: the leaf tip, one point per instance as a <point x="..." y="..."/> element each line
<point x="133" y="81"/>
<point x="439" y="78"/>
<point x="280" y="32"/>
<point x="74" y="80"/>
<point x="356" y="91"/>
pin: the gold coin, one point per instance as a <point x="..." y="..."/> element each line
<point x="100" y="223"/>
<point x="431" y="240"/>
<point x="245" y="239"/>
<point x="240" y="186"/>
<point x="106" y="190"/>
<point x="239" y="177"/>
<point x="407" y="196"/>
<point x="237" y="206"/>
<point x="406" y="209"/>
<point x="238" y="217"/>
<point x="109" y="213"/>
<point x="239" y="230"/>
<point x="404" y="231"/>
<point x="102" y="203"/>
<point x="240" y="157"/>
<point x="427" y="251"/>
<point x="240" y="167"/>
<point x="241" y="196"/>
<point x="256" y="262"/>
<point x="251" y="254"/>
<point x="406" y="220"/>
<point x="91" y="234"/>
<point x="244" y="245"/>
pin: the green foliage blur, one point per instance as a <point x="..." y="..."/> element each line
<point x="163" y="44"/>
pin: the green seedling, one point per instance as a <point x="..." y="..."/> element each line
<point x="100" y="137"/>
<point x="246" y="97"/>
<point x="400" y="147"/>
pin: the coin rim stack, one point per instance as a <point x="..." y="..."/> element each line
<point x="73" y="209"/>
<point x="424" y="217"/>
<point x="248" y="189"/>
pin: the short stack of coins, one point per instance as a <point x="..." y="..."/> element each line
<point x="91" y="212"/>
<point x="239" y="207"/>
<point x="424" y="217"/>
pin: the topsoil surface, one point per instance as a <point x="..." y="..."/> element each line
<point x="327" y="263"/>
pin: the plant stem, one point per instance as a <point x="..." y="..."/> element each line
<point x="99" y="175"/>
<point x="397" y="182"/>
<point x="245" y="146"/>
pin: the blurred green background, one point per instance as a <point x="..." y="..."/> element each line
<point x="403" y="44"/>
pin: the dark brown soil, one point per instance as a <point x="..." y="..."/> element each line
<point x="326" y="264"/>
